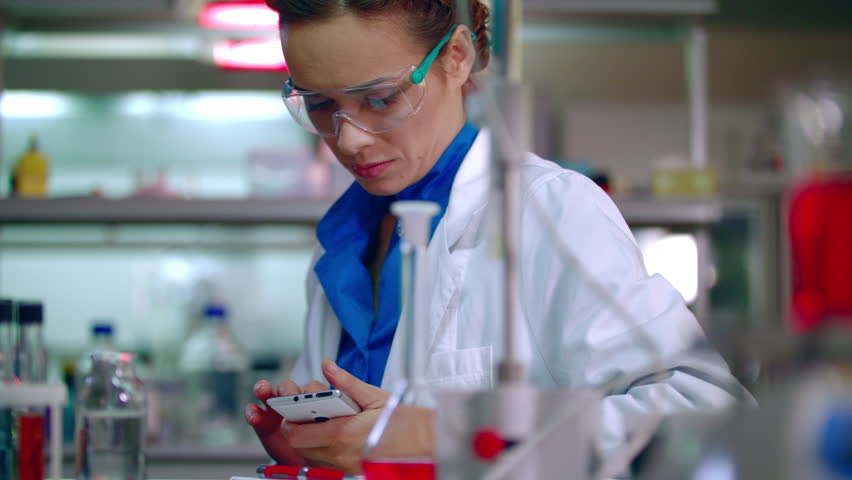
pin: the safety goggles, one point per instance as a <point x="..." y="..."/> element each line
<point x="375" y="107"/>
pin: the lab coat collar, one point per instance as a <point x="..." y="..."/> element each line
<point x="469" y="194"/>
<point x="449" y="255"/>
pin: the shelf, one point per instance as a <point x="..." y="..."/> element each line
<point x="636" y="210"/>
<point x="669" y="212"/>
<point x="621" y="7"/>
<point x="160" y="210"/>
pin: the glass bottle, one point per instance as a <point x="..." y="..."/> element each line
<point x="102" y="340"/>
<point x="109" y="434"/>
<point x="31" y="367"/>
<point x="7" y="341"/>
<point x="30" y="351"/>
<point x="7" y="377"/>
<point x="214" y="367"/>
<point x="400" y="443"/>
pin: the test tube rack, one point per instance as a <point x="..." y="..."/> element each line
<point x="53" y="395"/>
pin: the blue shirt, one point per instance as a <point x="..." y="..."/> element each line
<point x="347" y="233"/>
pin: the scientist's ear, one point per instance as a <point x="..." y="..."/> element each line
<point x="458" y="57"/>
<point x="365" y="395"/>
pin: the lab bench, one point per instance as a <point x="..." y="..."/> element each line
<point x="193" y="463"/>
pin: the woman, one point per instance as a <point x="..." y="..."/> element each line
<point x="383" y="82"/>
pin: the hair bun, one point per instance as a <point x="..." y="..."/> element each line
<point x="479" y="16"/>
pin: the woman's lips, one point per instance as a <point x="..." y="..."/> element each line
<point x="371" y="170"/>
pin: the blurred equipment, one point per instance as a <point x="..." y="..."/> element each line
<point x="29" y="177"/>
<point x="7" y="341"/>
<point x="387" y="455"/>
<point x="24" y="396"/>
<point x="802" y="430"/>
<point x="7" y="377"/>
<point x="102" y="340"/>
<point x="27" y="403"/>
<point x="215" y="366"/>
<point x="294" y="172"/>
<point x="471" y="445"/>
<point x="31" y="354"/>
<point x="817" y="126"/>
<point x="110" y="424"/>
<point x="820" y="222"/>
<point x="31" y="368"/>
<point x="672" y="180"/>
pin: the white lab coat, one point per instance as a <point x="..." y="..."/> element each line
<point x="570" y="336"/>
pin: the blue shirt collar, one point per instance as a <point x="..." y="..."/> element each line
<point x="346" y="233"/>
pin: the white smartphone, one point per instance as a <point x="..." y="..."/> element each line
<point x="314" y="407"/>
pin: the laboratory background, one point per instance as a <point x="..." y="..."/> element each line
<point x="156" y="198"/>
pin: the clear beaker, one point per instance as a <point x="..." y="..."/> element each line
<point x="400" y="444"/>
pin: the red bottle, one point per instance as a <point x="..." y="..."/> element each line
<point x="31" y="446"/>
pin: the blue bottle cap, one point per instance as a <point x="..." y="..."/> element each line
<point x="215" y="312"/>
<point x="102" y="329"/>
<point x="6" y="310"/>
<point x="30" y="312"/>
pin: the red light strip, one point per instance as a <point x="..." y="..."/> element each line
<point x="250" y="15"/>
<point x="257" y="54"/>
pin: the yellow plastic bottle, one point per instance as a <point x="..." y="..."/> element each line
<point x="29" y="178"/>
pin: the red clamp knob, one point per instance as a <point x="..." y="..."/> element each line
<point x="488" y="444"/>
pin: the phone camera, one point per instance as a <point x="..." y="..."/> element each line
<point x="296" y="399"/>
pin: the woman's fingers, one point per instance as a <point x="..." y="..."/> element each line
<point x="271" y="436"/>
<point x="264" y="421"/>
<point x="314" y="386"/>
<point x="288" y="387"/>
<point x="365" y="395"/>
<point x="263" y="391"/>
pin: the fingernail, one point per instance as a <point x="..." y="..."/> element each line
<point x="257" y="385"/>
<point x="331" y="366"/>
<point x="251" y="416"/>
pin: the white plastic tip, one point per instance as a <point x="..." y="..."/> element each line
<point x="414" y="208"/>
<point x="415" y="218"/>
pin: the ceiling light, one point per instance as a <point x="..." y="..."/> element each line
<point x="250" y="15"/>
<point x="31" y="104"/>
<point x="256" y="54"/>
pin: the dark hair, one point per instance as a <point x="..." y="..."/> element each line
<point x="429" y="20"/>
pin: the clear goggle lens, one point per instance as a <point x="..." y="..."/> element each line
<point x="375" y="107"/>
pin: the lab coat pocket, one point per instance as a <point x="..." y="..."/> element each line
<point x="467" y="369"/>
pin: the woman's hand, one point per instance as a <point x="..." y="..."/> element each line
<point x="268" y="424"/>
<point x="339" y="442"/>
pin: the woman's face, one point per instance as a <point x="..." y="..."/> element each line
<point x="351" y="50"/>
